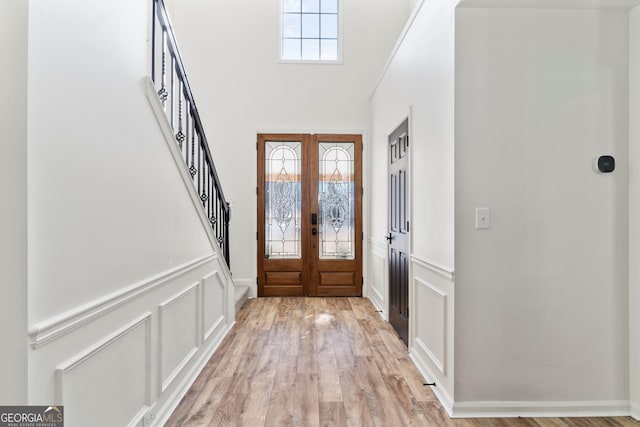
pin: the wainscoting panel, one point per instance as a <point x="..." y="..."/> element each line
<point x="113" y="373"/>
<point x="213" y="304"/>
<point x="129" y="358"/>
<point x="179" y="333"/>
<point x="431" y="322"/>
<point x="431" y="325"/>
<point x="378" y="277"/>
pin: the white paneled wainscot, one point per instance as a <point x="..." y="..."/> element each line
<point x="137" y="350"/>
<point x="378" y="289"/>
<point x="431" y="324"/>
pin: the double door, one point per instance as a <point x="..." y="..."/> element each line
<point x="309" y="215"/>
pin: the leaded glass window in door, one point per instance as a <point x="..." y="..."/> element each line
<point x="283" y="200"/>
<point x="336" y="185"/>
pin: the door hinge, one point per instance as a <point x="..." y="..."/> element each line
<point x="407" y="140"/>
<point x="257" y="283"/>
<point x="256" y="235"/>
<point x="407" y="312"/>
<point x="407" y="226"/>
<point x="362" y="281"/>
<point x="257" y="191"/>
<point x="363" y="236"/>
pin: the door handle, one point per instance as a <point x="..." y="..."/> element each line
<point x="314" y="231"/>
<point x="389" y="237"/>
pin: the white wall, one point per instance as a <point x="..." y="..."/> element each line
<point x="634" y="214"/>
<point x="541" y="297"/>
<point x="419" y="83"/>
<point x="231" y="52"/>
<point x="101" y="197"/>
<point x="13" y="208"/>
<point x="127" y="298"/>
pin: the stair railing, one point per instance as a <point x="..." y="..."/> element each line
<point x="170" y="79"/>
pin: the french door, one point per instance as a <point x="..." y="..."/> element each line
<point x="309" y="215"/>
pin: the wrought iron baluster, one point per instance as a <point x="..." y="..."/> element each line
<point x="187" y="118"/>
<point x="180" y="136"/>
<point x="172" y="92"/>
<point x="201" y="167"/>
<point x="189" y="127"/>
<point x="192" y="169"/>
<point x="162" y="93"/>
<point x="210" y="201"/>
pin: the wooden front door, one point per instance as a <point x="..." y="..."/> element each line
<point x="399" y="231"/>
<point x="309" y="215"/>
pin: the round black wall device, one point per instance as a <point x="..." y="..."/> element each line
<point x="606" y="164"/>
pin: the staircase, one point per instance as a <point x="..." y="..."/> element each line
<point x="172" y="88"/>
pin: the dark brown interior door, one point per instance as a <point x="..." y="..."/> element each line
<point x="309" y="215"/>
<point x="399" y="231"/>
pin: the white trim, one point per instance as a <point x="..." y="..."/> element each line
<point x="80" y="358"/>
<point x="165" y="127"/>
<point x="55" y="327"/>
<point x="435" y="267"/>
<point x="598" y="408"/>
<point x="376" y="305"/>
<point x="164" y="383"/>
<point x="379" y="298"/>
<point x="634" y="411"/>
<point x="441" y="393"/>
<point x="251" y="284"/>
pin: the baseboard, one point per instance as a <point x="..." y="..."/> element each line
<point x="379" y="309"/>
<point x="441" y="393"/>
<point x="162" y="413"/>
<point x="635" y="411"/>
<point x="241" y="295"/>
<point x="615" y="408"/>
<point x="251" y="284"/>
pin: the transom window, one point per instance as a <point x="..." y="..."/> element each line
<point x="310" y="30"/>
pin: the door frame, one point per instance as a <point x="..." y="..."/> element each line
<point x="311" y="264"/>
<point x="412" y="308"/>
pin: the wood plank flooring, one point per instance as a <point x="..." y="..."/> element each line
<point x="323" y="362"/>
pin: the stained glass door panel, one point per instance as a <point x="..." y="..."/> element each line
<point x="283" y="200"/>
<point x="336" y="201"/>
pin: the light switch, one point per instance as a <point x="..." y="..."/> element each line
<point x="483" y="218"/>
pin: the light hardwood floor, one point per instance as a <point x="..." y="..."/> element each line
<point x="323" y="362"/>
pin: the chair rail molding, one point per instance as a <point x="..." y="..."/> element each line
<point x="53" y="328"/>
<point x="442" y="270"/>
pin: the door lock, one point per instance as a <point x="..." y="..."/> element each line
<point x="314" y="231"/>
